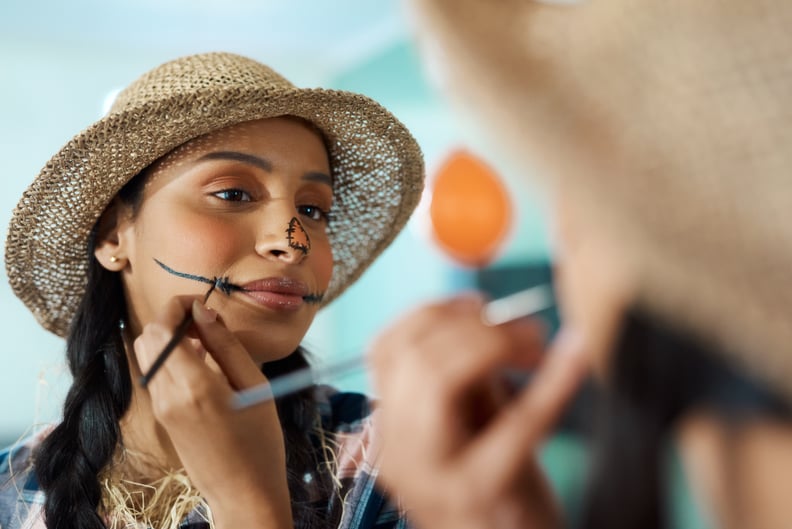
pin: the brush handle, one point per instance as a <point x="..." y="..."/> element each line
<point x="294" y="382"/>
<point x="178" y="334"/>
<point x="495" y="312"/>
<point x="517" y="305"/>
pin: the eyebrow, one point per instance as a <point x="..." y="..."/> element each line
<point x="316" y="176"/>
<point x="249" y="159"/>
<point x="263" y="163"/>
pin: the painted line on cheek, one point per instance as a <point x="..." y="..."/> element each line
<point x="220" y="283"/>
<point x="225" y="286"/>
<point x="314" y="298"/>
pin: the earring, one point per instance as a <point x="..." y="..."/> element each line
<point x="113" y="259"/>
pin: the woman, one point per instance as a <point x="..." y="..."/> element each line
<point x="662" y="131"/>
<point x="216" y="189"/>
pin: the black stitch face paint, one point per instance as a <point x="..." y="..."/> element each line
<point x="297" y="237"/>
<point x="225" y="286"/>
<point x="314" y="298"/>
<point x="220" y="283"/>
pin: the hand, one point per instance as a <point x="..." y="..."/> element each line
<point x="235" y="458"/>
<point x="458" y="448"/>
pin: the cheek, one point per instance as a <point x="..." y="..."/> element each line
<point x="195" y="245"/>
<point x="322" y="262"/>
<point x="217" y="239"/>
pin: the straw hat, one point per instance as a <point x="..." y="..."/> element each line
<point x="376" y="164"/>
<point x="672" y="121"/>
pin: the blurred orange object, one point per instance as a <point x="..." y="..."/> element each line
<point x="470" y="209"/>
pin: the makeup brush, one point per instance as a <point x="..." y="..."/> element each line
<point x="224" y="285"/>
<point x="497" y="312"/>
<point x="178" y="334"/>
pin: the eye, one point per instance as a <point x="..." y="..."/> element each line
<point x="313" y="212"/>
<point x="233" y="195"/>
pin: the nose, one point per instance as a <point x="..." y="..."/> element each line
<point x="283" y="238"/>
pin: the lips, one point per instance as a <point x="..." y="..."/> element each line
<point x="278" y="293"/>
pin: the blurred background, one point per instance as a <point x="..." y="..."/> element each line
<point x="61" y="62"/>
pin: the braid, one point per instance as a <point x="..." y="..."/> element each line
<point x="68" y="461"/>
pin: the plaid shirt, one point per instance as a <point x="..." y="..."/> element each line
<point x="347" y="416"/>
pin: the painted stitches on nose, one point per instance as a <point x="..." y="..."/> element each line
<point x="297" y="237"/>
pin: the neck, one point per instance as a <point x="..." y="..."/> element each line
<point x="142" y="433"/>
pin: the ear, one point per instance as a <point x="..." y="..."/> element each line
<point x="112" y="229"/>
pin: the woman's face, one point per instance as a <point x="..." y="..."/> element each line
<point x="249" y="203"/>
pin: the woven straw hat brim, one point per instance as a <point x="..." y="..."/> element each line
<point x="376" y="164"/>
<point x="671" y="122"/>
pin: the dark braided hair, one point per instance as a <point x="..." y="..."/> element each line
<point x="69" y="460"/>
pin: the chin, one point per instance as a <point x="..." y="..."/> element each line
<point x="267" y="348"/>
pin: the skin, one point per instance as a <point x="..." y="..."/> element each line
<point x="741" y="474"/>
<point x="585" y="99"/>
<point x="740" y="471"/>
<point x="453" y="471"/>
<point x="214" y="215"/>
<point x="465" y="458"/>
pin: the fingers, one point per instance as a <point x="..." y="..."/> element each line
<point x="226" y="349"/>
<point x="449" y="342"/>
<point x="234" y="451"/>
<point x="155" y="337"/>
<point x="468" y="427"/>
<point x="444" y="357"/>
<point x="186" y="365"/>
<point x="501" y="452"/>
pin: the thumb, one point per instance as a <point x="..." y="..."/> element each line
<point x="501" y="452"/>
<point x="226" y="349"/>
